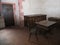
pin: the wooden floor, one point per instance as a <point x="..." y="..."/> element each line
<point x="17" y="36"/>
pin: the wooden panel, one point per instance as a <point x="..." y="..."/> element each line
<point x="31" y="19"/>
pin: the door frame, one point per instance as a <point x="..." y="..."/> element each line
<point x="14" y="9"/>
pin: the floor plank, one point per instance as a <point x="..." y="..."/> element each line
<point x="19" y="36"/>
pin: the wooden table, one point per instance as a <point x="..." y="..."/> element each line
<point x="46" y="25"/>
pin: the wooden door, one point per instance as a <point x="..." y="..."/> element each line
<point x="7" y="12"/>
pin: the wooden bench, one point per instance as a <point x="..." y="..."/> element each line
<point x="56" y="20"/>
<point x="33" y="18"/>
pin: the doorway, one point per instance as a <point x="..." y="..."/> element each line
<point x="8" y="14"/>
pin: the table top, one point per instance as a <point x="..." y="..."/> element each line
<point x="45" y="23"/>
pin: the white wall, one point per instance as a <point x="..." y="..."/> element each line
<point x="26" y="6"/>
<point x="17" y="9"/>
<point x="33" y="7"/>
<point x="49" y="7"/>
<point x="52" y="8"/>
